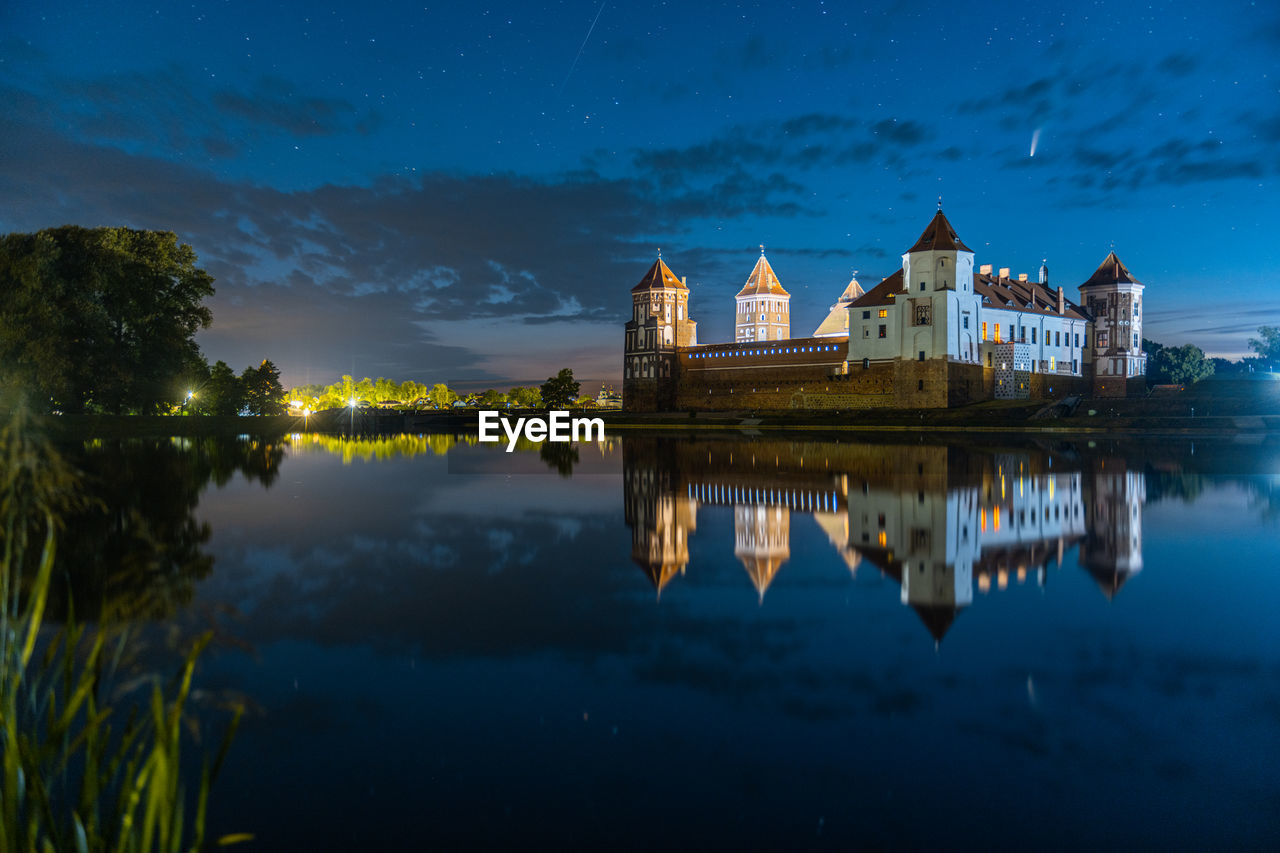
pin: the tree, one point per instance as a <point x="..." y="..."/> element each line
<point x="263" y="393"/>
<point x="101" y="318"/>
<point x="440" y="396"/>
<point x="1185" y="364"/>
<point x="222" y="394"/>
<point x="1267" y="344"/>
<point x="560" y="390"/>
<point x="493" y="398"/>
<point x="525" y="398"/>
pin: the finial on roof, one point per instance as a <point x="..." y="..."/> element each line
<point x="939" y="204"/>
<point x="659" y="254"/>
<point x="762" y="250"/>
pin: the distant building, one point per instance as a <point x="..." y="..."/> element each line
<point x="836" y="323"/>
<point x="608" y="398"/>
<point x="935" y="333"/>
<point x="764" y="307"/>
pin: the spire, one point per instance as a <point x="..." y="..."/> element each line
<point x="659" y="276"/>
<point x="939" y="235"/>
<point x="762" y="280"/>
<point x="837" y="319"/>
<point x="1044" y="271"/>
<point x="1111" y="271"/>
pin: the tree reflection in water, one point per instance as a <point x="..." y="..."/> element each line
<point x="135" y="549"/>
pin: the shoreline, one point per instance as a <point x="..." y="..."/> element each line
<point x="933" y="422"/>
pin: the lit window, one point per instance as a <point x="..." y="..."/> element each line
<point x="984" y="331"/>
<point x="884" y="312"/>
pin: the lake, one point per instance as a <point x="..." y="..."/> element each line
<point x="716" y="640"/>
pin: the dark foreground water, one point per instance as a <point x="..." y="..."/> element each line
<point x="722" y="643"/>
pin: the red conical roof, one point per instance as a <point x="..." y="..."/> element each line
<point x="939" y="235"/>
<point x="1111" y="271"/>
<point x="762" y="281"/>
<point x="659" y="276"/>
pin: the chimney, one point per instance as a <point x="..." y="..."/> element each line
<point x="1004" y="272"/>
<point x="985" y="269"/>
<point x="1022" y="276"/>
<point x="1062" y="301"/>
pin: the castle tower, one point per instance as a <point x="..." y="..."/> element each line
<point x="762" y="541"/>
<point x="836" y="323"/>
<point x="1114" y="298"/>
<point x="660" y="516"/>
<point x="764" y="308"/>
<point x="1113" y="500"/>
<point x="937" y="290"/>
<point x="659" y="323"/>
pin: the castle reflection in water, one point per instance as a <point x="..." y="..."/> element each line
<point x="940" y="520"/>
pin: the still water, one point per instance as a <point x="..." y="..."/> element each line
<point x="721" y="642"/>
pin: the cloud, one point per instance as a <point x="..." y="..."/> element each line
<point x="802" y="143"/>
<point x="168" y="110"/>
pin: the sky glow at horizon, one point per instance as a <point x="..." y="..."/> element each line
<point x="468" y="194"/>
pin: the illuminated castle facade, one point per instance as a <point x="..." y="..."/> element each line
<point x="935" y="333"/>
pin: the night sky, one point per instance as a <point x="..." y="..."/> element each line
<point x="467" y="192"/>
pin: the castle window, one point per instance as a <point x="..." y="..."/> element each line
<point x="1057" y="339"/>
<point x="966" y="321"/>
<point x="997" y="333"/>
<point x="1033" y="334"/>
<point x="866" y="315"/>
<point x="1077" y="339"/>
<point x="866" y="331"/>
<point x="1135" y="340"/>
<point x="1023" y="334"/>
<point x="884" y="312"/>
<point x="866" y="363"/>
<point x="922" y="355"/>
<point x="882" y="331"/>
<point x="984" y="331"/>
<point x="920" y="387"/>
<point x="922" y="285"/>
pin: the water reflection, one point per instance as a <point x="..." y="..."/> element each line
<point x="939" y="520"/>
<point x="135" y="548"/>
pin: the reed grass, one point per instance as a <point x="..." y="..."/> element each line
<point x="79" y="772"/>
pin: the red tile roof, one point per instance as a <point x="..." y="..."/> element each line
<point x="1029" y="297"/>
<point x="659" y="276"/>
<point x="883" y="293"/>
<point x="939" y="235"/>
<point x="1111" y="271"/>
<point x="762" y="281"/>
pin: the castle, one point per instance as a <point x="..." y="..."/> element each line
<point x="935" y="333"/>
<point x="941" y="521"/>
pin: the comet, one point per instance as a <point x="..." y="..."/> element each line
<point x="1035" y="141"/>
